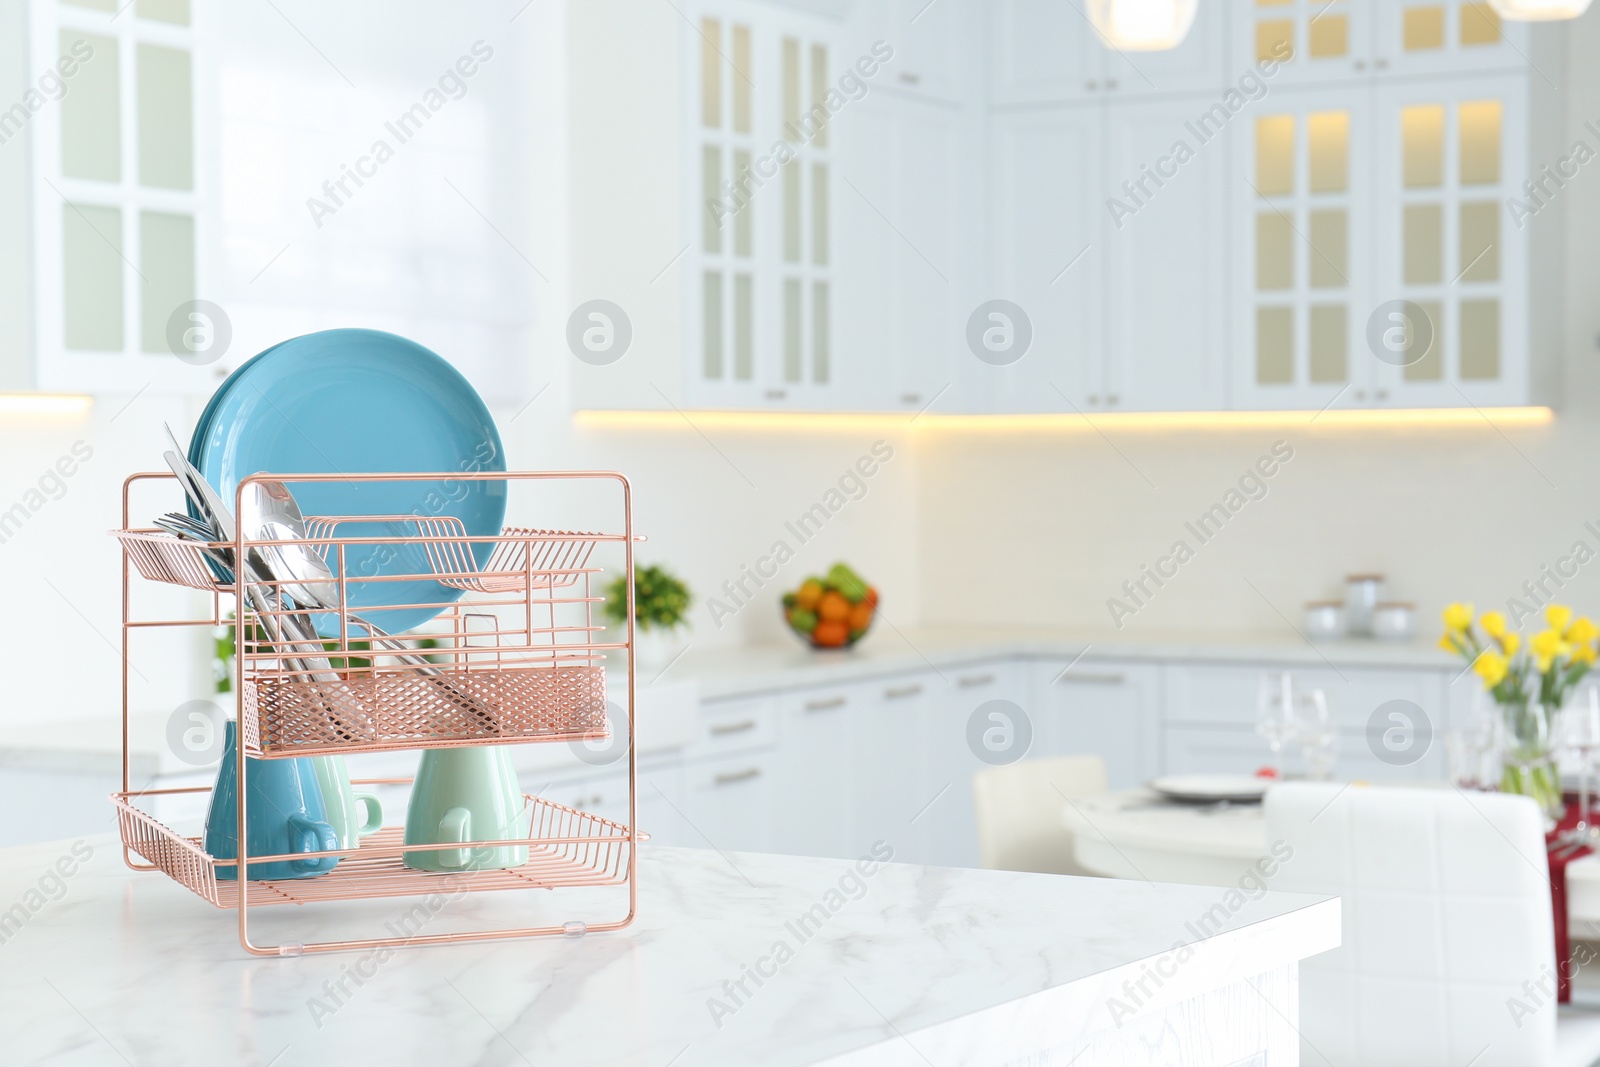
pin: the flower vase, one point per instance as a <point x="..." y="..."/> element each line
<point x="1527" y="759"/>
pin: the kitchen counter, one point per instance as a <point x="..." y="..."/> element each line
<point x="741" y="670"/>
<point x="898" y="965"/>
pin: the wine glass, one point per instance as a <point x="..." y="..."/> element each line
<point x="1578" y="733"/>
<point x="1275" y="714"/>
<point x="1318" y="735"/>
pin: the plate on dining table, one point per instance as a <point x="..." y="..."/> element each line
<point x="1211" y="788"/>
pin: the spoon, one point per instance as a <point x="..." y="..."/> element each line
<point x="271" y="513"/>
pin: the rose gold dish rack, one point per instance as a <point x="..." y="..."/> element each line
<point x="513" y="656"/>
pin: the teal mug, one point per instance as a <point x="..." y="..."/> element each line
<point x="352" y="815"/>
<point x="466" y="794"/>
<point x="284" y="815"/>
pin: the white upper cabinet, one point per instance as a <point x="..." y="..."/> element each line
<point x="115" y="198"/>
<point x="1304" y="222"/>
<point x="1447" y="37"/>
<point x="1047" y="255"/>
<point x="1045" y="51"/>
<point x="932" y="45"/>
<point x="1338" y="40"/>
<point x="1452" y="154"/>
<point x="1165" y="331"/>
<point x="1042" y="52"/>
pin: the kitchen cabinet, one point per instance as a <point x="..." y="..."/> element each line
<point x="1047" y="255"/>
<point x="1046" y="52"/>
<point x="1211" y="714"/>
<point x="1165" y="300"/>
<point x="730" y="803"/>
<point x="108" y="218"/>
<point x="1105" y="708"/>
<point x="998" y="695"/>
<point x="892" y="782"/>
<point x="817" y="766"/>
<point x="660" y="805"/>
<point x="1363" y="40"/>
<point x="903" y="278"/>
<point x="931" y="45"/>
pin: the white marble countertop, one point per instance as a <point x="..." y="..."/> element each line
<point x="908" y="965"/>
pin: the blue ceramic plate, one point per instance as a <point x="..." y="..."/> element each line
<point x="361" y="401"/>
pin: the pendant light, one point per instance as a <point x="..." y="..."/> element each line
<point x="1539" y="10"/>
<point x="1142" y="25"/>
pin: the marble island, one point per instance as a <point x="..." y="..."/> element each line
<point x="733" y="959"/>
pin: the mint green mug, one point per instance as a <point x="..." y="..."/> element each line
<point x="466" y="794"/>
<point x="352" y="815"/>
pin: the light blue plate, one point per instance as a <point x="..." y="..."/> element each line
<point x="361" y="401"/>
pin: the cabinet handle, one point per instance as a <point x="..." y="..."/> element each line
<point x="825" y="705"/>
<point x="1361" y="64"/>
<point x="1112" y="398"/>
<point x="1381" y="394"/>
<point x="910" y="78"/>
<point x="1091" y="85"/>
<point x="910" y="398"/>
<point x="902" y="691"/>
<point x="1382" y="63"/>
<point x="1111" y="83"/>
<point x="723" y="728"/>
<point x="1089" y="678"/>
<point x="1094" y="399"/>
<point x="776" y="394"/>
<point x="972" y="680"/>
<point x="736" y="776"/>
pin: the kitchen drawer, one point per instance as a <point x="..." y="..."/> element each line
<point x="729" y="803"/>
<point x="1228" y="695"/>
<point x="1240" y="750"/>
<point x="733" y="726"/>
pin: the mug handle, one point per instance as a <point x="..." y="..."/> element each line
<point x="455" y="825"/>
<point x="374" y="808"/>
<point x="314" y="837"/>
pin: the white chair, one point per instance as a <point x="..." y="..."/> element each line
<point x="1448" y="956"/>
<point x="1019" y="812"/>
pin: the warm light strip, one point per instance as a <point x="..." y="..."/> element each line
<point x="789" y="421"/>
<point x="43" y="404"/>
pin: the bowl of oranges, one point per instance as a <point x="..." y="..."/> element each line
<point x="833" y="611"/>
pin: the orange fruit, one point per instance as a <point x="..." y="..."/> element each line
<point x="833" y="607"/>
<point x="808" y="594"/>
<point x="871" y="597"/>
<point x="861" y="616"/>
<point x="832" y="634"/>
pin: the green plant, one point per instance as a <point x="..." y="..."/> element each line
<point x="660" y="600"/>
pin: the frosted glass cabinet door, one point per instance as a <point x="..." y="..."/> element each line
<point x="1452" y="155"/>
<point x="1441" y="36"/>
<point x="1330" y="40"/>
<point x="1166" y="253"/>
<point x="1302" y="253"/>
<point x="1047" y="255"/>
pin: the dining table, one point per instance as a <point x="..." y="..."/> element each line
<point x="1136" y="833"/>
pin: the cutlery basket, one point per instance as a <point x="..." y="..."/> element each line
<point x="508" y="651"/>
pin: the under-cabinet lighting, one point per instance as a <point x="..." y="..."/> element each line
<point x="43" y="404"/>
<point x="792" y="421"/>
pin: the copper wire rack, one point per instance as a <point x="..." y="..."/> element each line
<point x="513" y="655"/>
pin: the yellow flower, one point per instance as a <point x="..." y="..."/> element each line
<point x="1558" y="616"/>
<point x="1584" y="654"/>
<point x="1511" y="642"/>
<point x="1448" y="643"/>
<point x="1494" y="624"/>
<point x="1491" y="667"/>
<point x="1457" y="617"/>
<point x="1582" y="630"/>
<point x="1546" y="645"/>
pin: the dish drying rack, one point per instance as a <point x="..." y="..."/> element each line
<point x="520" y="659"/>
